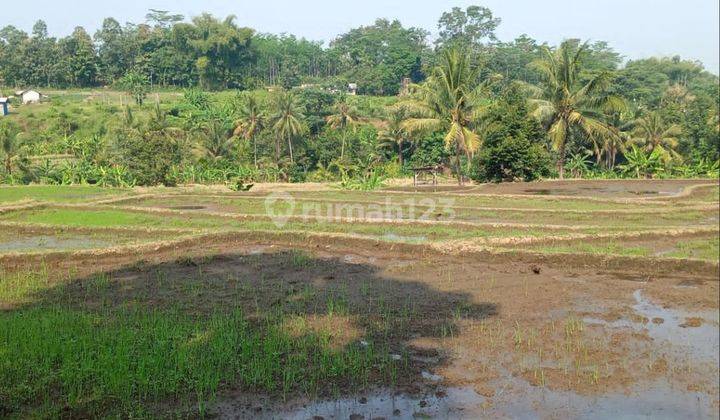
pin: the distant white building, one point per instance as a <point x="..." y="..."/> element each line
<point x="28" y="96"/>
<point x="352" y="88"/>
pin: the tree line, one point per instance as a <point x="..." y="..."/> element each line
<point x="488" y="109"/>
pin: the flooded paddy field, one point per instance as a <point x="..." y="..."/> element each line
<point x="620" y="188"/>
<point x="704" y="244"/>
<point x="309" y="206"/>
<point x="19" y="239"/>
<point x="197" y="304"/>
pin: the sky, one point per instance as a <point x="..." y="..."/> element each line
<point x="634" y="28"/>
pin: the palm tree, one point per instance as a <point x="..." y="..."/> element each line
<point x="345" y="116"/>
<point x="652" y="133"/>
<point x="9" y="145"/>
<point x="250" y="122"/>
<point x="450" y="100"/>
<point x="617" y="140"/>
<point x="567" y="102"/>
<point x="395" y="135"/>
<point x="215" y="141"/>
<point x="286" y="121"/>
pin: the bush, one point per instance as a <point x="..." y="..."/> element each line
<point x="512" y="159"/>
<point x="429" y="152"/>
<point x="149" y="158"/>
<point x="514" y="147"/>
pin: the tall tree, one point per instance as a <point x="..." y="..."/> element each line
<point x="250" y="121"/>
<point x="466" y="28"/>
<point x="221" y="48"/>
<point x="80" y="61"/>
<point x="567" y="102"/>
<point x="450" y="100"/>
<point x="655" y="135"/>
<point x="377" y="57"/>
<point x="286" y="121"/>
<point x="342" y="119"/>
<point x="114" y="52"/>
<point x="394" y="136"/>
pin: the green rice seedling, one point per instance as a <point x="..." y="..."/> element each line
<point x="299" y="258"/>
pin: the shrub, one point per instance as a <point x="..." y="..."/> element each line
<point x="148" y="157"/>
<point x="514" y="143"/>
<point x="512" y="159"/>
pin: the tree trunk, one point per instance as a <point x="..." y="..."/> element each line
<point x="277" y="151"/>
<point x="290" y="148"/>
<point x="561" y="161"/>
<point x="342" y="147"/>
<point x="400" y="156"/>
<point x="255" y="151"/>
<point x="458" y="166"/>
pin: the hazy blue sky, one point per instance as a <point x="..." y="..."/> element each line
<point x="635" y="28"/>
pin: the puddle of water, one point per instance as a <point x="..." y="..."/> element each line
<point x="665" y="325"/>
<point x="357" y="259"/>
<point x="45" y="242"/>
<point x="514" y="398"/>
<point x="659" y="400"/>
<point x="540" y="192"/>
<point x="430" y="376"/>
<point x="393" y="237"/>
<point x="188" y="207"/>
<point x="611" y="190"/>
<point x="702" y="341"/>
<point x="450" y="403"/>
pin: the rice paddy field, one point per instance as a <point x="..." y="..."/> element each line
<point x="546" y="299"/>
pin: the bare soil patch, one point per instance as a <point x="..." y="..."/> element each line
<point x="626" y="188"/>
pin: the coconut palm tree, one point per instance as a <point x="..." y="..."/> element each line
<point x="652" y="133"/>
<point x="251" y="120"/>
<point x="617" y="140"/>
<point x="395" y="136"/>
<point x="344" y="117"/>
<point x="450" y="100"/>
<point x="215" y="141"/>
<point x="286" y="121"/>
<point x="569" y="103"/>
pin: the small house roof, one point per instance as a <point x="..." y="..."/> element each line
<point x="22" y="92"/>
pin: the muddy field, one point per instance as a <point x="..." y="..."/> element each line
<point x="621" y="188"/>
<point x="604" y="315"/>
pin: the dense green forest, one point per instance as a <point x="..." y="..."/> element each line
<point x="207" y="100"/>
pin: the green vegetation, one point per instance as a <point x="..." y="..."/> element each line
<point x="703" y="248"/>
<point x="145" y="338"/>
<point x="119" y="218"/>
<point x="259" y="107"/>
<point x="398" y="208"/>
<point x="121" y="359"/>
<point x="57" y="193"/>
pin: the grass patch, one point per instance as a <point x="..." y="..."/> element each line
<point x="56" y="193"/>
<point x="705" y="249"/>
<point x="256" y="206"/>
<point x="59" y="362"/>
<point x="606" y="248"/>
<point x="119" y="218"/>
<point x="82" y="348"/>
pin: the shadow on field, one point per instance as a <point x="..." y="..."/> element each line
<point x="268" y="322"/>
